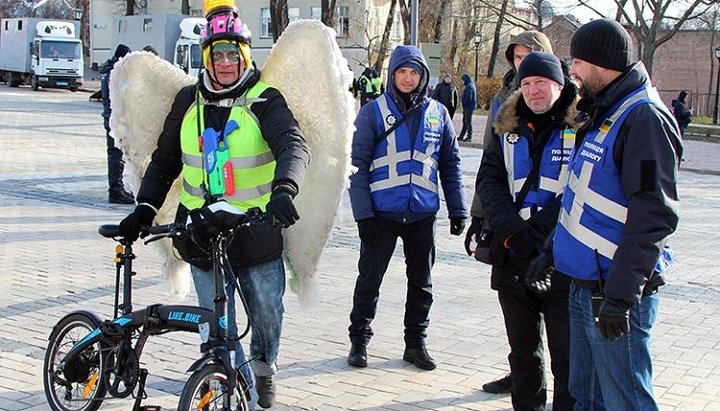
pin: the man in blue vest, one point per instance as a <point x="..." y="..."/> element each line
<point x="269" y="155"/>
<point x="521" y="174"/>
<point x="403" y="147"/>
<point x="618" y="209"/>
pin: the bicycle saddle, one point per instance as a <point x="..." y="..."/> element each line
<point x="213" y="219"/>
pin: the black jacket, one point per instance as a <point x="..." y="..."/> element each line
<point x="494" y="193"/>
<point x="104" y="71"/>
<point x="278" y="127"/>
<point x="446" y="93"/>
<point x="647" y="153"/>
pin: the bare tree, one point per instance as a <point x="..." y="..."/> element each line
<point x="327" y="12"/>
<point x="185" y="7"/>
<point x="385" y="41"/>
<point x="653" y="23"/>
<point x="496" y="38"/>
<point x="278" y="17"/>
<point x="15" y="8"/>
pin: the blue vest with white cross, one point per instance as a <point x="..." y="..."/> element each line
<point x="551" y="174"/>
<point x="404" y="176"/>
<point x="594" y="205"/>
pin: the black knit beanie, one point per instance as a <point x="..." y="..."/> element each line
<point x="604" y="43"/>
<point x="121" y="51"/>
<point x="541" y="64"/>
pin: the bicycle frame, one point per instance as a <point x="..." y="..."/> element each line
<point x="159" y="319"/>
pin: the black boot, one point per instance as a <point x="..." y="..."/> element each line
<point x="266" y="390"/>
<point x="118" y="195"/>
<point x="499" y="386"/>
<point x="357" y="356"/>
<point x="420" y="357"/>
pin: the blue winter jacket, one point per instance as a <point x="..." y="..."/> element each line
<point x="369" y="128"/>
<point x="469" y="97"/>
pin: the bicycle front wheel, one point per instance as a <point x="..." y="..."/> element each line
<point x="79" y="386"/>
<point x="207" y="390"/>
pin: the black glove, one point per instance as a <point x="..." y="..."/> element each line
<point x="281" y="209"/>
<point x="141" y="218"/>
<point x="525" y="243"/>
<point x="457" y="225"/>
<point x="368" y="231"/>
<point x="539" y="273"/>
<point x="475" y="229"/>
<point x="613" y="320"/>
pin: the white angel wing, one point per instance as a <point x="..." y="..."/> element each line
<point x="142" y="90"/>
<point x="307" y="67"/>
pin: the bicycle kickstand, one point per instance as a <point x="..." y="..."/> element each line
<point x="142" y="395"/>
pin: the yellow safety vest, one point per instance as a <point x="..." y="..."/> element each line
<point x="252" y="161"/>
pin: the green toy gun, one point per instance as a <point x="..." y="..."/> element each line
<point x="216" y="156"/>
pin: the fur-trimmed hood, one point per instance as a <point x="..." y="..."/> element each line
<point x="508" y="118"/>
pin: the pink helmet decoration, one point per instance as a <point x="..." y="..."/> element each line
<point x="224" y="25"/>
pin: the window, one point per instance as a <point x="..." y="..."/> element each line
<point x="122" y="26"/>
<point x="316" y="13"/>
<point x="343" y="21"/>
<point x="293" y="14"/>
<point x="147" y="25"/>
<point x="265" y="29"/>
<point x="19" y="25"/>
<point x="6" y="25"/>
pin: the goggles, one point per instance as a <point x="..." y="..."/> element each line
<point x="224" y="52"/>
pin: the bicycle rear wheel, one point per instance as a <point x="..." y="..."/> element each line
<point x="207" y="390"/>
<point x="79" y="386"/>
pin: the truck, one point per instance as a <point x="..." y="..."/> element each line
<point x="175" y="37"/>
<point x="40" y="52"/>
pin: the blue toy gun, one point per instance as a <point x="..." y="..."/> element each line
<point x="216" y="156"/>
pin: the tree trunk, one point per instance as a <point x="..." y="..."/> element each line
<point x="185" y="7"/>
<point x="384" y="43"/>
<point x="405" y="17"/>
<point x="496" y="39"/>
<point x="437" y="37"/>
<point x="278" y="17"/>
<point x="129" y="7"/>
<point x="327" y="13"/>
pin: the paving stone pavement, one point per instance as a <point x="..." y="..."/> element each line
<point x="53" y="197"/>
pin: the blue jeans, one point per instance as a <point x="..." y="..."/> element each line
<point x="263" y="286"/>
<point x="606" y="374"/>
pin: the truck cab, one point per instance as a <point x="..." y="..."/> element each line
<point x="188" y="54"/>
<point x="56" y="61"/>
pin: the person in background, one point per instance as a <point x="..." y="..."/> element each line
<point x="469" y="104"/>
<point x="446" y="93"/>
<point x="378" y="87"/>
<point x="365" y="87"/>
<point x="682" y="114"/>
<point x="116" y="165"/>
<point x="403" y="148"/>
<point x="619" y="207"/>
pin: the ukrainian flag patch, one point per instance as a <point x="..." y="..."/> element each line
<point x="605" y="126"/>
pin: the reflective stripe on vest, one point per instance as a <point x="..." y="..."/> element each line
<point x="252" y="161"/>
<point x="405" y="177"/>
<point x="594" y="205"/>
<point x="552" y="173"/>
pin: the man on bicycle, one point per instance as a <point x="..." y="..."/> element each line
<point x="243" y="126"/>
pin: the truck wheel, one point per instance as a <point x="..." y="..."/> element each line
<point x="13" y="80"/>
<point x="34" y="82"/>
<point x="74" y="89"/>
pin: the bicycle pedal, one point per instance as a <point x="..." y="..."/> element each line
<point x="150" y="408"/>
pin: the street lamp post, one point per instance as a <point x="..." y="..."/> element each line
<point x="717" y="86"/>
<point x="477" y="39"/>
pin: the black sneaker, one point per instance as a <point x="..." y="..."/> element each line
<point x="121" y="197"/>
<point x="266" y="390"/>
<point x="500" y="386"/>
<point x="420" y="357"/>
<point x="357" y="356"/>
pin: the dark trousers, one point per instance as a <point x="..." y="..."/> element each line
<point x="116" y="164"/>
<point x="467" y="124"/>
<point x="419" y="248"/>
<point x="524" y="316"/>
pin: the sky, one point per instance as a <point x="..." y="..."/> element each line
<point x="581" y="12"/>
